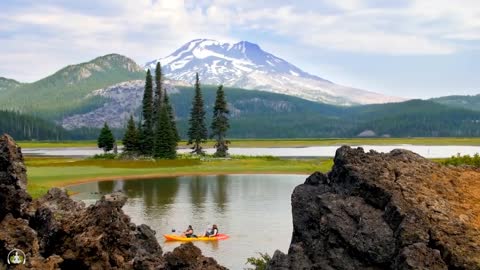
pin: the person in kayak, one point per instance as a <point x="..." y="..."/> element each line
<point x="189" y="232"/>
<point x="212" y="232"/>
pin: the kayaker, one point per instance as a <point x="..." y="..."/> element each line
<point x="189" y="232"/>
<point x="212" y="232"/>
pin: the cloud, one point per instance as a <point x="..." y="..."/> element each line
<point x="60" y="32"/>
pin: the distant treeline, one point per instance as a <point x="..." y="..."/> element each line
<point x="27" y="127"/>
<point x="253" y="117"/>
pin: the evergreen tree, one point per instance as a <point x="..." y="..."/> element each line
<point x="159" y="93"/>
<point x="105" y="139"/>
<point x="165" y="144"/>
<point x="171" y="116"/>
<point x="220" y="123"/>
<point x="197" y="132"/>
<point x="130" y="139"/>
<point x="146" y="138"/>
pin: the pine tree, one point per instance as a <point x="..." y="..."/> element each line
<point x="130" y="139"/>
<point x="164" y="137"/>
<point x="197" y="132"/>
<point x="220" y="123"/>
<point x="171" y="116"/>
<point x="105" y="139"/>
<point x="159" y="93"/>
<point x="146" y="138"/>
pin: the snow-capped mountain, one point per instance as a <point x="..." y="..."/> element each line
<point x="246" y="65"/>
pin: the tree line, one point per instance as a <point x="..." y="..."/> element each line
<point x="156" y="133"/>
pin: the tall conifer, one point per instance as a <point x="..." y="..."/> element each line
<point x="220" y="123"/>
<point x="171" y="116"/>
<point x="146" y="141"/>
<point x="159" y="93"/>
<point x="164" y="137"/>
<point x="130" y="139"/>
<point x="197" y="132"/>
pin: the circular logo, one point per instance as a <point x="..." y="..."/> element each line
<point x="16" y="256"/>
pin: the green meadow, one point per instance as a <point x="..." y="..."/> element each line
<point x="285" y="142"/>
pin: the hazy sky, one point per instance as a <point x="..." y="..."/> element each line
<point x="410" y="48"/>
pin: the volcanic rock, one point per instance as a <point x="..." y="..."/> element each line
<point x="56" y="232"/>
<point x="385" y="211"/>
<point x="13" y="178"/>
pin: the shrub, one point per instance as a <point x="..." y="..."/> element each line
<point x="259" y="263"/>
<point x="459" y="160"/>
<point x="104" y="156"/>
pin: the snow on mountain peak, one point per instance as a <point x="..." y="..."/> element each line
<point x="246" y="65"/>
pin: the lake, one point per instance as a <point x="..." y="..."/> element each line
<point x="428" y="151"/>
<point x="254" y="210"/>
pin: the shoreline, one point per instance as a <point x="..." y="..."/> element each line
<point x="166" y="175"/>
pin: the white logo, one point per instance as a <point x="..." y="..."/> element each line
<point x="16" y="256"/>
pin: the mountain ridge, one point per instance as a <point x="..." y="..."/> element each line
<point x="7" y="83"/>
<point x="471" y="102"/>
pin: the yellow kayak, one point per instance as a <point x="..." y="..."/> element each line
<point x="174" y="237"/>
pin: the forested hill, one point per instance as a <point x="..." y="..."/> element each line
<point x="65" y="91"/>
<point x="466" y="102"/>
<point x="416" y="118"/>
<point x="6" y="83"/>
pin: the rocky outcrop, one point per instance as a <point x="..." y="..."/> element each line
<point x="56" y="232"/>
<point x="13" y="179"/>
<point x="385" y="211"/>
<point x="119" y="102"/>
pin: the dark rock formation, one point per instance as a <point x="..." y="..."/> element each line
<point x="188" y="256"/>
<point x="13" y="178"/>
<point x="385" y="211"/>
<point x="56" y="232"/>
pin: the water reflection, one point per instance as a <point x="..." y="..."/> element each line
<point x="219" y="191"/>
<point x="253" y="209"/>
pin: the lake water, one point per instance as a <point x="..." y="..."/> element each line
<point x="428" y="151"/>
<point x="253" y="209"/>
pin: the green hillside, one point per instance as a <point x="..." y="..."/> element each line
<point x="6" y="83"/>
<point x="416" y="118"/>
<point x="466" y="102"/>
<point x="64" y="92"/>
<point x="259" y="114"/>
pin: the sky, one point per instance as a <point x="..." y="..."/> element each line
<point x="408" y="48"/>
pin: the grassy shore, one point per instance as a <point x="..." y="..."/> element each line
<point x="44" y="172"/>
<point x="287" y="142"/>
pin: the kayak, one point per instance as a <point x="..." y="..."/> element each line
<point x="174" y="237"/>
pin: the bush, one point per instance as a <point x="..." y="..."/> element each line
<point x="459" y="160"/>
<point x="259" y="263"/>
<point x="104" y="156"/>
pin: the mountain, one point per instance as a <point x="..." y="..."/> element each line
<point x="466" y="102"/>
<point x="246" y="65"/>
<point x="65" y="91"/>
<point x="6" y="83"/>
